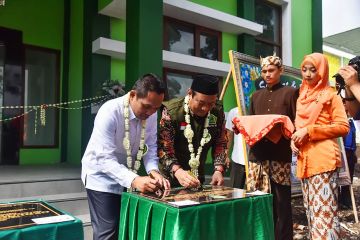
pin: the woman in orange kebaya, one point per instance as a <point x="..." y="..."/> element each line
<point x="320" y="120"/>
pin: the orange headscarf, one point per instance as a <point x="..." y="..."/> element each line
<point x="312" y="98"/>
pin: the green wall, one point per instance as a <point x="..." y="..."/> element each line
<point x="229" y="43"/>
<point x="118" y="32"/>
<point x="40" y="21"/>
<point x="42" y="25"/>
<point x="301" y="30"/>
<point x="39" y="156"/>
<point x="227" y="6"/>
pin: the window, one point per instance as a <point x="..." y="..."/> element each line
<point x="190" y="39"/>
<point x="178" y="82"/>
<point x="41" y="87"/>
<point x="269" y="15"/>
<point x="208" y="45"/>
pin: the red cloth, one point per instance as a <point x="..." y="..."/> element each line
<point x="271" y="126"/>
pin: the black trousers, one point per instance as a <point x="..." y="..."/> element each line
<point x="282" y="211"/>
<point x="105" y="214"/>
<point x="237" y="175"/>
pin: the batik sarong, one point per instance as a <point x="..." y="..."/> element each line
<point x="320" y="194"/>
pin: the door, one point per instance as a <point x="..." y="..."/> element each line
<point x="11" y="92"/>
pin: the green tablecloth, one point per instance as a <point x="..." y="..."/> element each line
<point x="71" y="230"/>
<point x="246" y="218"/>
<point x="56" y="231"/>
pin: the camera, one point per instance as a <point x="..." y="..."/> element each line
<point x="355" y="63"/>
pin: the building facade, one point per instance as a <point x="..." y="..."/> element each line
<point x="59" y="51"/>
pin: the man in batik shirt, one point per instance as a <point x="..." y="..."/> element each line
<point x="270" y="163"/>
<point x="189" y="127"/>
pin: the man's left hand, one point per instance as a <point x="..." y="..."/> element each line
<point x="217" y="179"/>
<point x="163" y="182"/>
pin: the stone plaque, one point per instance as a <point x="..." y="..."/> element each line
<point x="19" y="214"/>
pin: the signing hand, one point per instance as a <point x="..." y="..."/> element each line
<point x="186" y="180"/>
<point x="145" y="184"/>
<point x="217" y="179"/>
<point x="162" y="182"/>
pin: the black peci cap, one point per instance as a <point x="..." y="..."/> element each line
<point x="205" y="84"/>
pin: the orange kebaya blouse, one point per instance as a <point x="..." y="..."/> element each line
<point x="321" y="153"/>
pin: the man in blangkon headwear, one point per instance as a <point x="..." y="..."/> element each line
<point x="189" y="127"/>
<point x="270" y="163"/>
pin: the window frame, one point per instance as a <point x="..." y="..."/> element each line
<point x="57" y="96"/>
<point x="279" y="13"/>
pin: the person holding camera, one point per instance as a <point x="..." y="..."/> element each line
<point x="348" y="81"/>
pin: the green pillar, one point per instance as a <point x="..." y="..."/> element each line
<point x="65" y="81"/>
<point x="96" y="67"/>
<point x="316" y="22"/>
<point x="246" y="42"/>
<point x="144" y="39"/>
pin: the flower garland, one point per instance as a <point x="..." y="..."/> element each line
<point x="126" y="141"/>
<point x="194" y="161"/>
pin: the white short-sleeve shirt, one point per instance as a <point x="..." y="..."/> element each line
<point x="237" y="154"/>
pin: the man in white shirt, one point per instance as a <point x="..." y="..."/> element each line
<point x="125" y="131"/>
<point x="237" y="174"/>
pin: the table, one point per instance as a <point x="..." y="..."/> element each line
<point x="245" y="218"/>
<point x="71" y="230"/>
